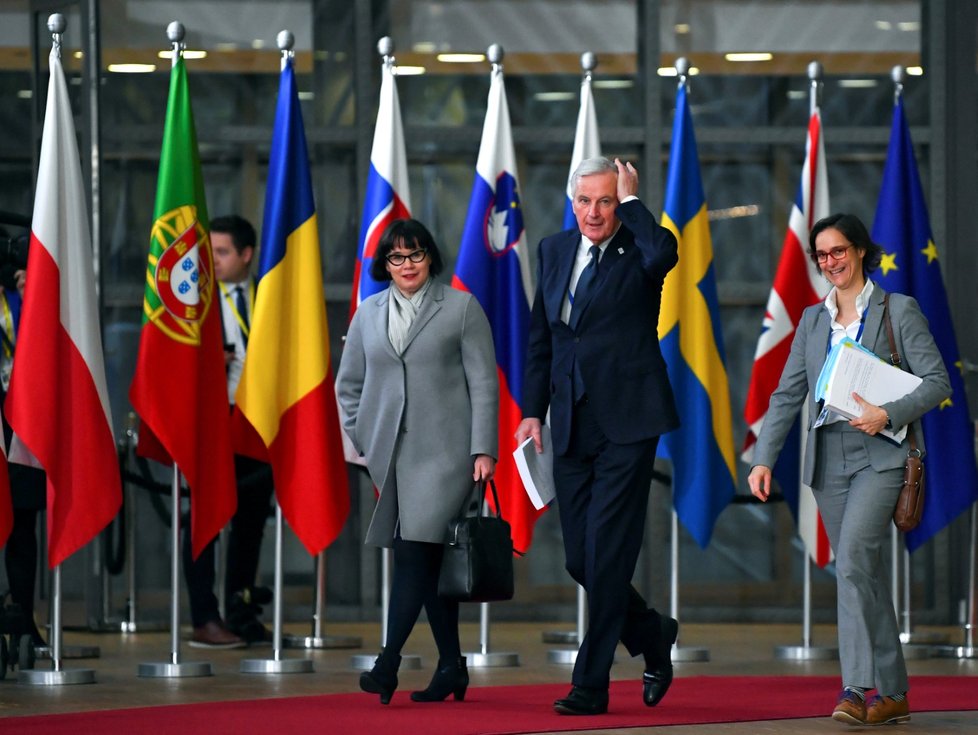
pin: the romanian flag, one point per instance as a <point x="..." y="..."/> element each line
<point x="286" y="391"/>
<point x="58" y="402"/>
<point x="493" y="265"/>
<point x="911" y="266"/>
<point x="180" y="388"/>
<point x="704" y="476"/>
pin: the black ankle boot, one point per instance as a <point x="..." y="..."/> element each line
<point x="451" y="677"/>
<point x="382" y="678"/>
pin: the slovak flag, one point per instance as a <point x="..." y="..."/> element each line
<point x="797" y="284"/>
<point x="493" y="265"/>
<point x="587" y="144"/>
<point x="388" y="195"/>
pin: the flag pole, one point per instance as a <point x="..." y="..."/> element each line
<point x="806" y="651"/>
<point x="277" y="664"/>
<point x="57" y="675"/>
<point x="589" y="62"/>
<point x="175" y="32"/>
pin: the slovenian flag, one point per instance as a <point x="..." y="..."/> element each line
<point x="58" y="403"/>
<point x="286" y="391"/>
<point x="388" y="195"/>
<point x="493" y="265"/>
<point x="797" y="285"/>
<point x="911" y="266"/>
<point x="704" y="477"/>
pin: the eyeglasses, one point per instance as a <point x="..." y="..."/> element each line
<point x="836" y="253"/>
<point x="415" y="256"/>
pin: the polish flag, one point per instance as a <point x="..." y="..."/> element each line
<point x="58" y="401"/>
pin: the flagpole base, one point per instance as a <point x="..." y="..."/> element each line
<point x="925" y="637"/>
<point x="276" y="666"/>
<point x="486" y="660"/>
<point x="365" y="662"/>
<point x="559" y="636"/>
<point x="322" y="641"/>
<point x="690" y="654"/>
<point x="916" y="652"/>
<point x="806" y="653"/>
<point x="184" y="670"/>
<point x="563" y="656"/>
<point x="958" y="652"/>
<point x="37" y="677"/>
<point x="44" y="652"/>
<point x="146" y="626"/>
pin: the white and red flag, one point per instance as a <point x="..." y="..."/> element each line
<point x="797" y="285"/>
<point x="58" y="401"/>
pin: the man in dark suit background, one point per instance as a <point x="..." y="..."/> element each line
<point x="594" y="360"/>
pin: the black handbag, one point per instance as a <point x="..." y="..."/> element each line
<point x="478" y="561"/>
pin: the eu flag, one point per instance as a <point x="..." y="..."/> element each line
<point x="910" y="266"/>
<point x="702" y="449"/>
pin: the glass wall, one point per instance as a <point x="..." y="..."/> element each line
<point x="750" y="117"/>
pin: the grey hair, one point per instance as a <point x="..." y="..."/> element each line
<point x="590" y="167"/>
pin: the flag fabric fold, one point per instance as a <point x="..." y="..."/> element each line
<point x="179" y="390"/>
<point x="704" y="476"/>
<point x="797" y="285"/>
<point x="911" y="266"/>
<point x="286" y="391"/>
<point x="587" y="144"/>
<point x="493" y="265"/>
<point x="58" y="402"/>
<point x="388" y="194"/>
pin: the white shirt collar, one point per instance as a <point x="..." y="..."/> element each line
<point x="862" y="300"/>
<point x="602" y="246"/>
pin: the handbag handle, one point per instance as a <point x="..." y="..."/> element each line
<point x="481" y="486"/>
<point x="897" y="362"/>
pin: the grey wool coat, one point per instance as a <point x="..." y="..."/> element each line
<point x="420" y="417"/>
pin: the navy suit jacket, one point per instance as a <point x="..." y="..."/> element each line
<point x="616" y="343"/>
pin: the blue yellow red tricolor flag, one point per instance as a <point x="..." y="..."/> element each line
<point x="493" y="265"/>
<point x="286" y="391"/>
<point x="702" y="449"/>
<point x="911" y="266"/>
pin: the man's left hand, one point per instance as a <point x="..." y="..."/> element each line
<point x="627" y="180"/>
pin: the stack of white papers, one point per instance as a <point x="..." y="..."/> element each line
<point x="537" y="470"/>
<point x="851" y="368"/>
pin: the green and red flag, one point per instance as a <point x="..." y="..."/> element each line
<point x="180" y="388"/>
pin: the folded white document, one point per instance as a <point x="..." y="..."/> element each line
<point x="537" y="470"/>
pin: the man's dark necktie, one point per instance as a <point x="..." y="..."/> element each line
<point x="584" y="284"/>
<point x="242" y="307"/>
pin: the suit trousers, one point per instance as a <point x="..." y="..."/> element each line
<point x="856" y="503"/>
<point x="602" y="495"/>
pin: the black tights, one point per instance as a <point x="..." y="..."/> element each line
<point x="21" y="559"/>
<point x="415" y="585"/>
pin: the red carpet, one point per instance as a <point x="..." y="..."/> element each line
<point x="491" y="710"/>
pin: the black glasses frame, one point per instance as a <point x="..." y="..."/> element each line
<point x="415" y="256"/>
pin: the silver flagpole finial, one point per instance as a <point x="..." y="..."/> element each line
<point x="899" y="76"/>
<point x="385" y="47"/>
<point x="815" y="73"/>
<point x="495" y="55"/>
<point x="682" y="71"/>
<point x="285" y="40"/>
<point x="57" y="25"/>
<point x="176" y="33"/>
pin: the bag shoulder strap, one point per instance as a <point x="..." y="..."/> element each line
<point x="896" y="360"/>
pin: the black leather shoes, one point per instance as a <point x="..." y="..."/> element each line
<point x="451" y="677"/>
<point x="658" y="673"/>
<point x="582" y="701"/>
<point x="382" y="678"/>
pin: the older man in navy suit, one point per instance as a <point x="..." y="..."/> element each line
<point x="594" y="361"/>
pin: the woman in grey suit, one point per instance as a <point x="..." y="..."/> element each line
<point x="855" y="472"/>
<point x="418" y="393"/>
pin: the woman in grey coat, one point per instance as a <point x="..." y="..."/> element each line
<point x="418" y="393"/>
<point x="855" y="472"/>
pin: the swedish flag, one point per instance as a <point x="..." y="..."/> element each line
<point x="911" y="266"/>
<point x="702" y="449"/>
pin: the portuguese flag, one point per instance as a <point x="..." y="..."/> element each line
<point x="180" y="389"/>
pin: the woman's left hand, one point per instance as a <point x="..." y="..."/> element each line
<point x="873" y="419"/>
<point x="485" y="467"/>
